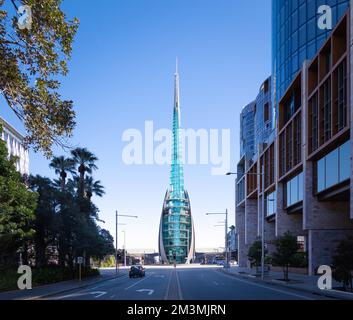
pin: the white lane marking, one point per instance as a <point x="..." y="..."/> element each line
<point x="149" y="291"/>
<point x="136" y="283"/>
<point x="98" y="294"/>
<point x="178" y="284"/>
<point x="170" y="279"/>
<point x="269" y="288"/>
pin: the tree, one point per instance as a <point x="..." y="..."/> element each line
<point x="93" y="188"/>
<point x="105" y="244"/>
<point x="285" y="254"/>
<point x="17" y="205"/>
<point x="343" y="263"/>
<point x="31" y="61"/>
<point x="85" y="161"/>
<point x="45" y="217"/>
<point x="62" y="166"/>
<point x="255" y="253"/>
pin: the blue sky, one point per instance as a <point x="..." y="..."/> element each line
<point x="121" y="74"/>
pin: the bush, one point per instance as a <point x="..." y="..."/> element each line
<point x="108" y="262"/>
<point x="343" y="264"/>
<point x="299" y="260"/>
<point x="255" y="253"/>
<point x="45" y="275"/>
<point x="286" y="252"/>
<point x="8" y="280"/>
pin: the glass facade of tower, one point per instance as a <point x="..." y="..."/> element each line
<point x="264" y="122"/>
<point x="176" y="231"/>
<point x="247" y="134"/>
<point x="297" y="37"/>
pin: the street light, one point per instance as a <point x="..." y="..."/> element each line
<point x="262" y="175"/>
<point x="116" y="237"/>
<point x="124" y="232"/>
<point x="226" y="233"/>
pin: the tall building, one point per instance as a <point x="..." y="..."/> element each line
<point x="308" y="167"/>
<point x="247" y="134"/>
<point x="15" y="147"/>
<point x="176" y="230"/>
<point x="296" y="36"/>
<point x="264" y="117"/>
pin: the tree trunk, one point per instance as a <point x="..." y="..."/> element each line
<point x="63" y="175"/>
<point x="82" y="170"/>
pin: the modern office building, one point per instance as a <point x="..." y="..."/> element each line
<point x="308" y="167"/>
<point x="296" y="36"/>
<point x="256" y="132"/>
<point x="247" y="132"/>
<point x="15" y="147"/>
<point x="264" y="117"/>
<point x="176" y="230"/>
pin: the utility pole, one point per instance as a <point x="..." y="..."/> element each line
<point x="263" y="224"/>
<point x="116" y="237"/>
<point x="116" y="242"/>
<point x="226" y="235"/>
<point x="124" y="248"/>
<point x="226" y="244"/>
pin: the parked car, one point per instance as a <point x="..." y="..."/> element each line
<point x="137" y="271"/>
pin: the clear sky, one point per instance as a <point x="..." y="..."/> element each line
<point x="121" y="75"/>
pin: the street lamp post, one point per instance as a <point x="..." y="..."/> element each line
<point x="226" y="234"/>
<point x="116" y="237"/>
<point x="124" y="232"/>
<point x="262" y="175"/>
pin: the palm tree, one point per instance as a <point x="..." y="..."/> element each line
<point x="85" y="160"/>
<point x="93" y="188"/>
<point x="62" y="165"/>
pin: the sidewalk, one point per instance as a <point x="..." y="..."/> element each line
<point x="297" y="282"/>
<point x="57" y="288"/>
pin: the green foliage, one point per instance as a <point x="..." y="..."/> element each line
<point x="286" y="252"/>
<point x="343" y="263"/>
<point x="72" y="227"/>
<point x="51" y="219"/>
<point x="108" y="262"/>
<point x="255" y="253"/>
<point x="44" y="275"/>
<point x="300" y="260"/>
<point x="17" y="205"/>
<point x="31" y="62"/>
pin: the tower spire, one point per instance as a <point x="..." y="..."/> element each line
<point x="176" y="87"/>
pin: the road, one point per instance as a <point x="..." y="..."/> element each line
<point x="184" y="284"/>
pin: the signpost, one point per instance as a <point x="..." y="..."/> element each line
<point x="79" y="262"/>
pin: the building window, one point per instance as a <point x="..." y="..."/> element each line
<point x="241" y="190"/>
<point x="294" y="189"/>
<point x="314" y="123"/>
<point x="297" y="140"/>
<point x="342" y="95"/>
<point x="266" y="112"/>
<point x="271" y="204"/>
<point x="334" y="168"/>
<point x="327" y="110"/>
<point x="282" y="155"/>
<point x="289" y="149"/>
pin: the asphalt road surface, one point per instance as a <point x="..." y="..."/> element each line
<point x="184" y="284"/>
